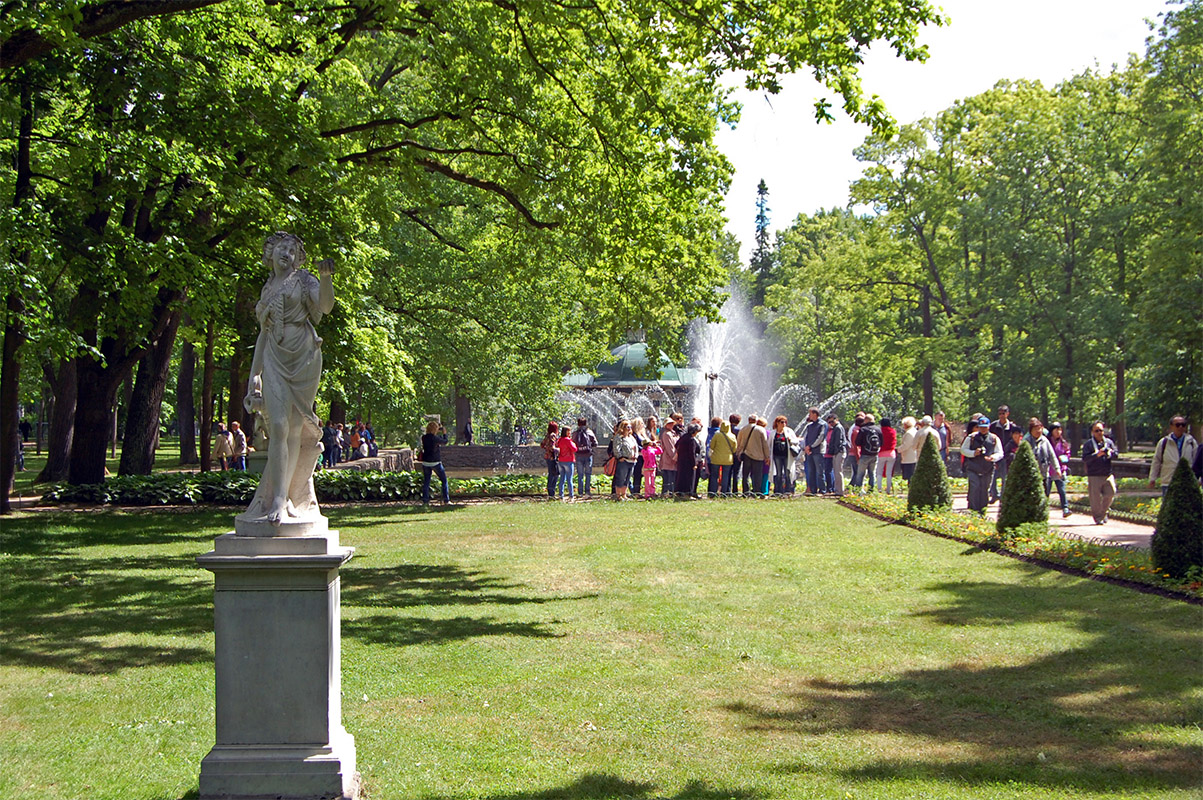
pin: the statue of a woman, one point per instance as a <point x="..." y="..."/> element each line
<point x="284" y="378"/>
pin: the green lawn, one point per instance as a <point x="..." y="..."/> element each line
<point x="659" y="651"/>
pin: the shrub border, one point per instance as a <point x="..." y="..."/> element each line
<point x="996" y="547"/>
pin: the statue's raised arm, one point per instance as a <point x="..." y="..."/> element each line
<point x="283" y="380"/>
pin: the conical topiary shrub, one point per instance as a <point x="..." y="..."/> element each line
<point x="1023" y="498"/>
<point x="1178" y="540"/>
<point x="929" y="486"/>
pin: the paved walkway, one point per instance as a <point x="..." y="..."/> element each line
<point x="1081" y="524"/>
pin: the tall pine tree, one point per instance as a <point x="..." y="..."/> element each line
<point x="762" y="256"/>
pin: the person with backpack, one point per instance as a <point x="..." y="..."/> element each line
<point x="1173" y="447"/>
<point x="586" y="443"/>
<point x="981" y="450"/>
<point x="869" y="441"/>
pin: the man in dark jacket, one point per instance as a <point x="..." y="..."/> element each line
<point x="814" y="445"/>
<point x="869" y="439"/>
<point x="981" y="450"/>
<point x="1097" y="452"/>
<point x="835" y="448"/>
<point x="1002" y="429"/>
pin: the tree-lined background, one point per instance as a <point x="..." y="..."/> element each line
<point x="505" y="186"/>
<point x="508" y="186"/>
<point x="1041" y="247"/>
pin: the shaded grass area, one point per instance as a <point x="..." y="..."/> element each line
<point x="661" y="651"/>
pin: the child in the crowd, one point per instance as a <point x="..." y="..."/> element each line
<point x="651" y="452"/>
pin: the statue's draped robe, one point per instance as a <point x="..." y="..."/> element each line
<point x="292" y="366"/>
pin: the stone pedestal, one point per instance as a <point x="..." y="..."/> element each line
<point x="277" y="626"/>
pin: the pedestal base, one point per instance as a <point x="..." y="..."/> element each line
<point x="277" y="618"/>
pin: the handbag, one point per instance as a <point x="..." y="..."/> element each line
<point x="610" y="466"/>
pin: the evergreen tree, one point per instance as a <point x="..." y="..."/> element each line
<point x="762" y="256"/>
<point x="1178" y="540"/>
<point x="929" y="486"/>
<point x="1023" y="498"/>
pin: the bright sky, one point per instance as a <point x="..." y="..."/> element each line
<point x="808" y="166"/>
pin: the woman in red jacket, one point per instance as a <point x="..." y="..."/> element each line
<point x="888" y="455"/>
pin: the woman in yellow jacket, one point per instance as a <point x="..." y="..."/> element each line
<point x="722" y="458"/>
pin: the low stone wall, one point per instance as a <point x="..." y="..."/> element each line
<point x="525" y="458"/>
<point x="385" y="460"/>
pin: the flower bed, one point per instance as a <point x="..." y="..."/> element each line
<point x="1037" y="542"/>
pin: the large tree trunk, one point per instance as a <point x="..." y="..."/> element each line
<point x="929" y="392"/>
<point x="62" y="421"/>
<point x="93" y="419"/>
<point x="10" y="381"/>
<point x="206" y="413"/>
<point x="146" y="404"/>
<point x="14" y="315"/>
<point x="240" y="362"/>
<point x="338" y="412"/>
<point x="463" y="416"/>
<point x="185" y="404"/>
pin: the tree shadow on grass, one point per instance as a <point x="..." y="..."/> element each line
<point x="1087" y="717"/>
<point x="62" y="612"/>
<point x="611" y="787"/>
<point x="423" y="585"/>
<point x="48" y="532"/>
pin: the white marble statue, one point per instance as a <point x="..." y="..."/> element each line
<point x="284" y="379"/>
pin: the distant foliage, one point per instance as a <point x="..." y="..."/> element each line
<point x="929" y="486"/>
<point x="1178" y="540"/>
<point x="1023" y="498"/>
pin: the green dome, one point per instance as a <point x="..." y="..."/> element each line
<point x="630" y="367"/>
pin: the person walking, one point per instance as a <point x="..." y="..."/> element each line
<point x="721" y="454"/>
<point x="432" y="461"/>
<point x="814" y="449"/>
<point x="1002" y="429"/>
<point x="237" y="447"/>
<point x="223" y="446"/>
<point x="1173" y="447"/>
<point x="1097" y="453"/>
<point x="1062" y="451"/>
<point x="981" y="450"/>
<point x="566" y="462"/>
<point x="1046" y="459"/>
<point x="586" y="443"/>
<point x="551" y="456"/>
<point x="835" y="449"/>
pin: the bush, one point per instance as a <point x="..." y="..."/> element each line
<point x="1023" y="498"/>
<point x="1178" y="539"/>
<point x="929" y="486"/>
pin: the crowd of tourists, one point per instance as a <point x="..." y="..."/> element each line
<point x="339" y="443"/>
<point x="763" y="457"/>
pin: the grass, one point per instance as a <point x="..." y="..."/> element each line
<point x="659" y="651"/>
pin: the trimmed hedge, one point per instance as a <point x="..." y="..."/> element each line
<point x="237" y="488"/>
<point x="929" y="486"/>
<point x="1178" y="540"/>
<point x="1023" y="499"/>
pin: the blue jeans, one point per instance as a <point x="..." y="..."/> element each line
<point x="238" y="463"/>
<point x="565" y="470"/>
<point x="866" y="467"/>
<point x="668" y="481"/>
<point x="622" y="473"/>
<point x="552" y="473"/>
<point x="437" y="469"/>
<point x="816" y="469"/>
<point x="584" y="474"/>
